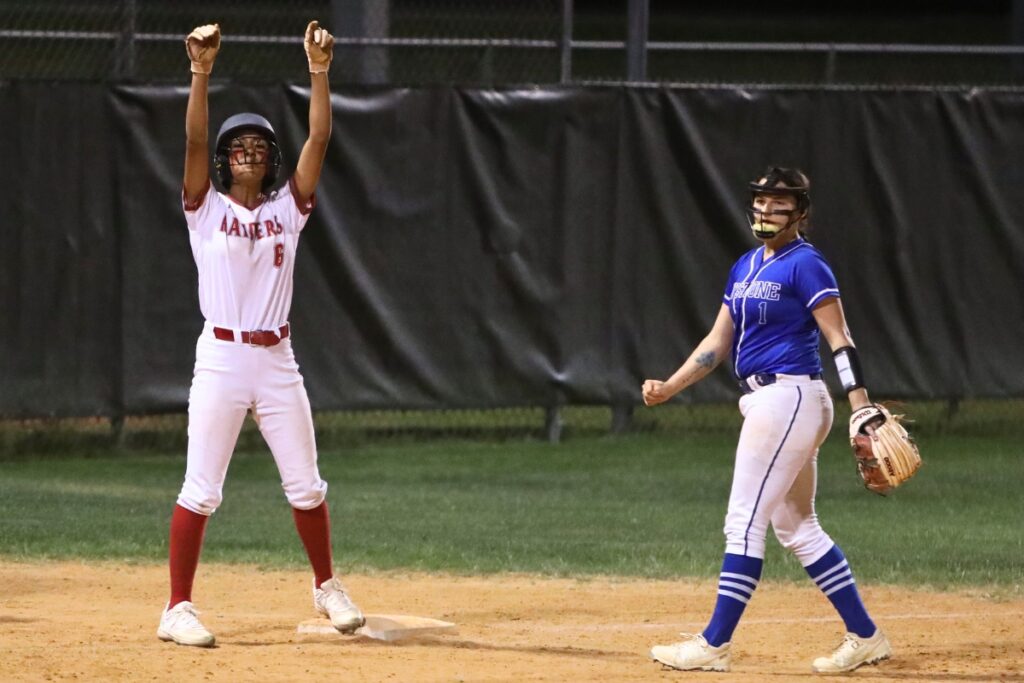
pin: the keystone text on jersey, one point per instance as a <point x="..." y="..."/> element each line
<point x="756" y="290"/>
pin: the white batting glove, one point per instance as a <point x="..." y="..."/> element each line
<point x="202" y="46"/>
<point x="319" y="44"/>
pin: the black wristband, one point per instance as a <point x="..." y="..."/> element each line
<point x="848" y="365"/>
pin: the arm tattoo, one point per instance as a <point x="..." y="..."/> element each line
<point x="706" y="359"/>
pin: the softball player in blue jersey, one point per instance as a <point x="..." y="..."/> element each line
<point x="779" y="297"/>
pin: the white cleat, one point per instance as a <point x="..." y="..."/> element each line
<point x="331" y="600"/>
<point x="693" y="653"/>
<point x="854" y="651"/>
<point x="181" y="624"/>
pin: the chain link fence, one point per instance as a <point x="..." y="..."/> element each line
<point x="502" y="43"/>
<point x="486" y="43"/>
<point x="378" y="41"/>
<point x="340" y="430"/>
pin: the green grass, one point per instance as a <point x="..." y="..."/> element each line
<point x="646" y="505"/>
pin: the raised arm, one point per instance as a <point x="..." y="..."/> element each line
<point x="832" y="323"/>
<point x="202" y="46"/>
<point x="319" y="45"/>
<point x="711" y="351"/>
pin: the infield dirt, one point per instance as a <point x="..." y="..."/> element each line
<point x="97" y="622"/>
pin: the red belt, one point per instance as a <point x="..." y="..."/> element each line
<point x="255" y="337"/>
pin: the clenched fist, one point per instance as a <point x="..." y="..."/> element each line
<point x="202" y="45"/>
<point x="319" y="44"/>
<point x="654" y="392"/>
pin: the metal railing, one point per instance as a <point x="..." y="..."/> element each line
<point x="559" y="53"/>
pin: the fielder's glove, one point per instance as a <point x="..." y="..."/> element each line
<point x="319" y="44"/>
<point x="885" y="454"/>
<point x="202" y="45"/>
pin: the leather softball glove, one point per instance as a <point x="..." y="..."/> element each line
<point x="886" y="456"/>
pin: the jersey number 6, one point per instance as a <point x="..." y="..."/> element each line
<point x="278" y="255"/>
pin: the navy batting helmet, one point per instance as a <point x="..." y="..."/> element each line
<point x="228" y="130"/>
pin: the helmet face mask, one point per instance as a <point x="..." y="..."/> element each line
<point x="777" y="183"/>
<point x="248" y="131"/>
<point x="248" y="148"/>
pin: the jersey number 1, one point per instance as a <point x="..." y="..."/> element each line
<point x="279" y="255"/>
<point x="763" y="310"/>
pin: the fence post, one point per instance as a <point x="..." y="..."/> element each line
<point x="622" y="417"/>
<point x="636" y="40"/>
<point x="1017" y="34"/>
<point x="362" y="19"/>
<point x="830" y="66"/>
<point x="124" y="58"/>
<point x="952" y="408"/>
<point x="117" y="431"/>
<point x="553" y="423"/>
<point x="565" y="46"/>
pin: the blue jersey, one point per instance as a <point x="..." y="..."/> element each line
<point x="771" y="302"/>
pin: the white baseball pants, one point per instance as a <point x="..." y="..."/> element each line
<point x="231" y="379"/>
<point x="775" y="476"/>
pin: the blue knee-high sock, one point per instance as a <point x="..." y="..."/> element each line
<point x="736" y="585"/>
<point x="835" y="579"/>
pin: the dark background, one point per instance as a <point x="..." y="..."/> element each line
<point x="142" y="43"/>
<point x="504" y="222"/>
<point x="484" y="248"/>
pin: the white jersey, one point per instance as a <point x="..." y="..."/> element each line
<point x="246" y="257"/>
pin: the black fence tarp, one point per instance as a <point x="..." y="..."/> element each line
<point x="481" y="248"/>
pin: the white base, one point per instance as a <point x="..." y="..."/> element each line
<point x="387" y="627"/>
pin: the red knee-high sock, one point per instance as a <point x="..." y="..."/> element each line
<point x="314" y="528"/>
<point x="186" y="542"/>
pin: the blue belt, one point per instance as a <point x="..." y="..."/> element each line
<point x="764" y="379"/>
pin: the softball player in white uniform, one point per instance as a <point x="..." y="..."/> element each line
<point x="777" y="299"/>
<point x="244" y="242"/>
